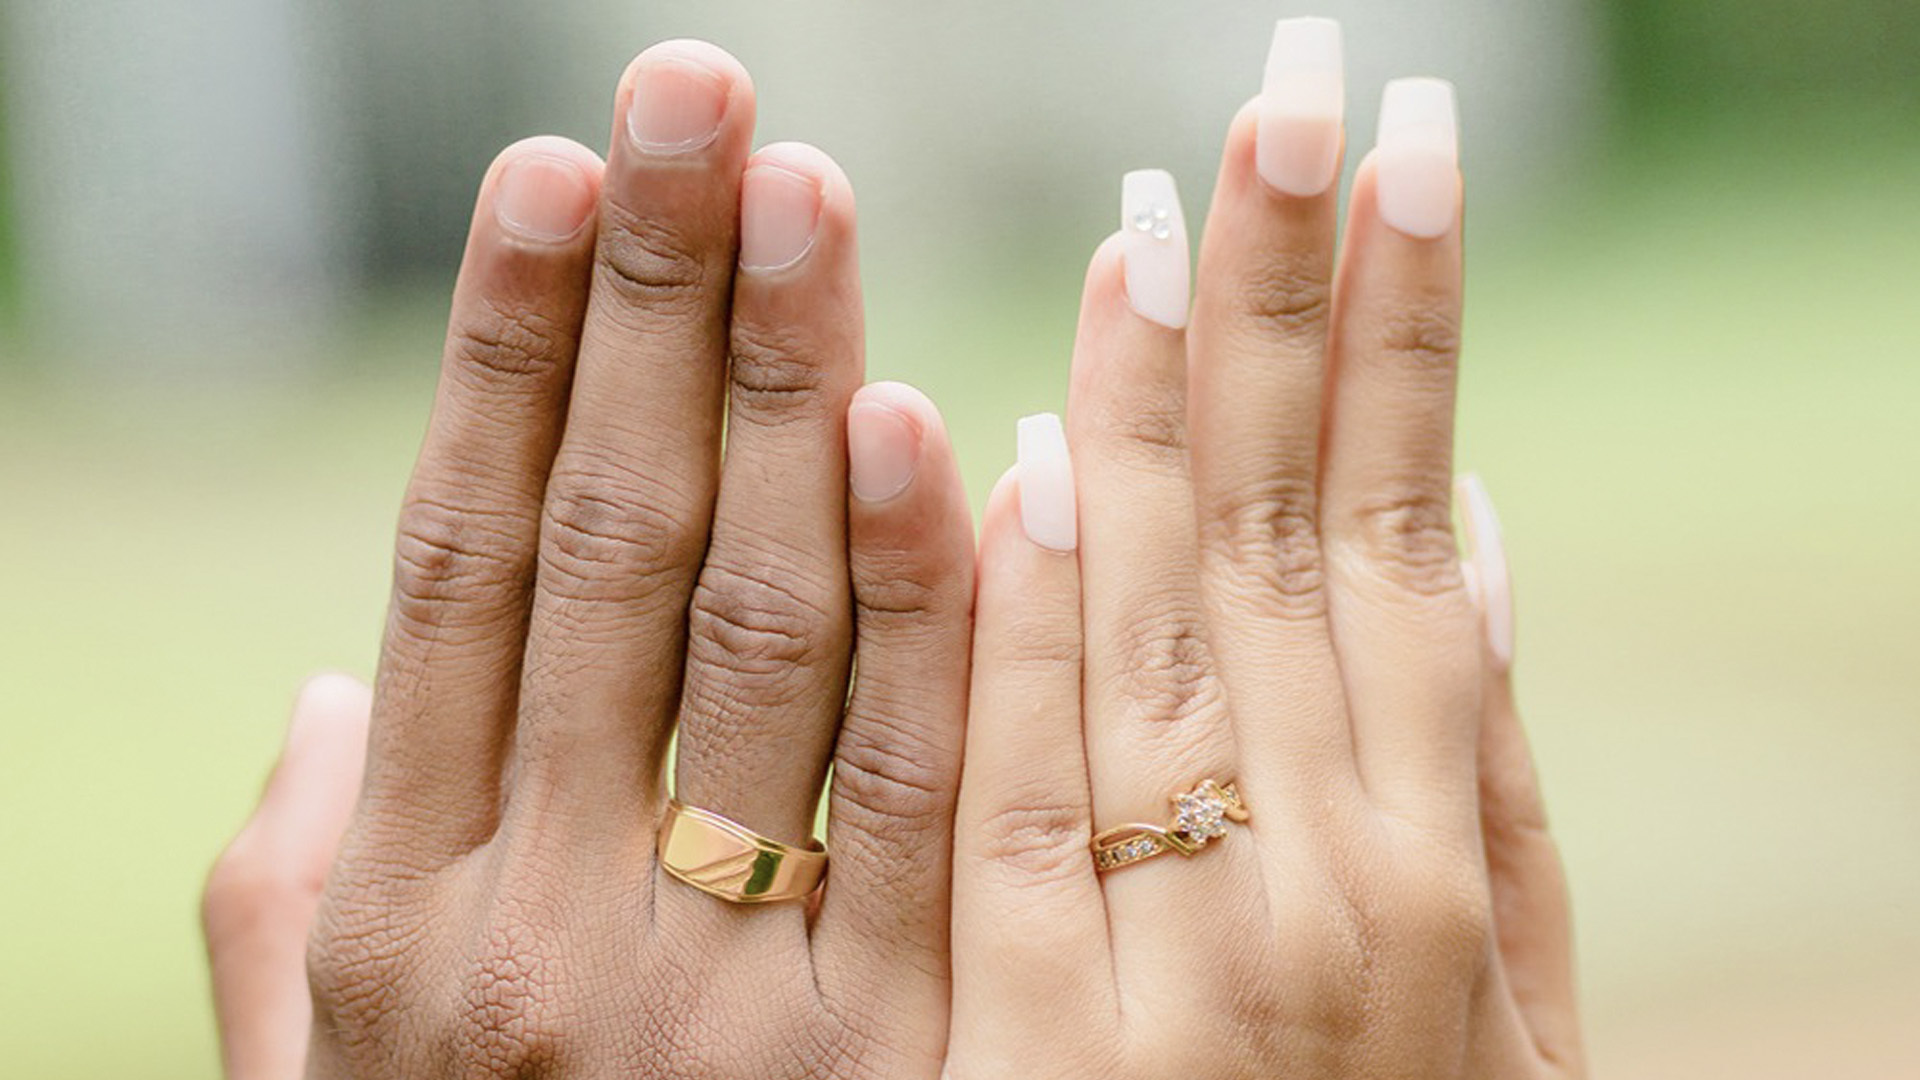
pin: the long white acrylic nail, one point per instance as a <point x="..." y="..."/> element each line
<point x="1418" y="157"/>
<point x="1303" y="100"/>
<point x="1048" y="510"/>
<point x="1159" y="276"/>
<point x="1487" y="560"/>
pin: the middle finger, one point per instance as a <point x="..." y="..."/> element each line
<point x="630" y="497"/>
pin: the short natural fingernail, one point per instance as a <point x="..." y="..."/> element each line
<point x="1418" y="158"/>
<point x="1049" y="512"/>
<point x="883" y="451"/>
<point x="543" y="198"/>
<point x="1487" y="561"/>
<point x="779" y="213"/>
<point x="677" y="105"/>
<point x="1302" y="102"/>
<point x="1158" y="276"/>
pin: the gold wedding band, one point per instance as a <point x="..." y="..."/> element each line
<point x="1199" y="817"/>
<point x="723" y="858"/>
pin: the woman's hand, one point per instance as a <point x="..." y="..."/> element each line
<point x="260" y="897"/>
<point x="1260" y="587"/>
<point x="581" y="574"/>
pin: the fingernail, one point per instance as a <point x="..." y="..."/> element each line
<point x="677" y="105"/>
<point x="542" y="198"/>
<point x="1158" y="276"/>
<point x="1302" y="102"/>
<point x="1048" y="511"/>
<point x="779" y="212"/>
<point x="1418" y="148"/>
<point x="1487" y="563"/>
<point x="883" y="451"/>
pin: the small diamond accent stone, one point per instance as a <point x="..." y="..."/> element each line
<point x="1155" y="220"/>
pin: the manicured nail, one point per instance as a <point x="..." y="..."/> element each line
<point x="1302" y="102"/>
<point x="1487" y="561"/>
<point x="1158" y="275"/>
<point x="883" y="451"/>
<point x="1048" y="511"/>
<point x="779" y="211"/>
<point x="678" y="103"/>
<point x="1418" y="150"/>
<point x="542" y="198"/>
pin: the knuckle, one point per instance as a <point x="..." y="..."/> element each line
<point x="450" y="563"/>
<point x="1406" y="531"/>
<point x="248" y="883"/>
<point x="1269" y="536"/>
<point x="608" y="535"/>
<point x="507" y="345"/>
<point x="776" y="373"/>
<point x="758" y="626"/>
<point x="892" y="784"/>
<point x="652" y="265"/>
<point x="1035" y="839"/>
<point x="1288" y="297"/>
<point x="898" y="590"/>
<point x="1165" y="672"/>
<point x="1443" y="910"/>
<point x="1035" y="650"/>
<point x="1423" y="338"/>
<point x="1147" y="431"/>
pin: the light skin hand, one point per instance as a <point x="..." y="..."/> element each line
<point x="1264" y="588"/>
<point x="264" y="888"/>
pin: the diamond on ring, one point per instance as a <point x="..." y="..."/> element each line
<point x="1199" y="817"/>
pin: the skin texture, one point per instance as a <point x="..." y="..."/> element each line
<point x="581" y="574"/>
<point x="1267" y="589"/>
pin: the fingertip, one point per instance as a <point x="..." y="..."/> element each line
<point x="695" y="50"/>
<point x="1106" y="278"/>
<point x="698" y="53"/>
<point x="330" y="701"/>
<point x="1238" y="158"/>
<point x="896" y="444"/>
<point x="543" y="190"/>
<point x="325" y="747"/>
<point x="554" y="146"/>
<point x="902" y="397"/>
<point x="810" y="161"/>
<point x="677" y="99"/>
<point x="1000" y="518"/>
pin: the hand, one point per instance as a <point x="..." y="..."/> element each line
<point x="1260" y="585"/>
<point x="580" y="575"/>
<point x="260" y="897"/>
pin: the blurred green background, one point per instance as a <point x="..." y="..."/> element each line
<point x="227" y="228"/>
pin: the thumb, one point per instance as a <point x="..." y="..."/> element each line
<point x="1531" y="915"/>
<point x="261" y="895"/>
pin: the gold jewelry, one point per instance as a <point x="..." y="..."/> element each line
<point x="1199" y="816"/>
<point x="724" y="858"/>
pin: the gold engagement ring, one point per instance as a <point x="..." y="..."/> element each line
<point x="1199" y="817"/>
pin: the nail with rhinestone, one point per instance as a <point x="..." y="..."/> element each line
<point x="1154" y="231"/>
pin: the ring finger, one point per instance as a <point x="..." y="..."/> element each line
<point x="769" y="630"/>
<point x="1156" y="716"/>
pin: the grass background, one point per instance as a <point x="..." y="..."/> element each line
<point x="1693" y="390"/>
